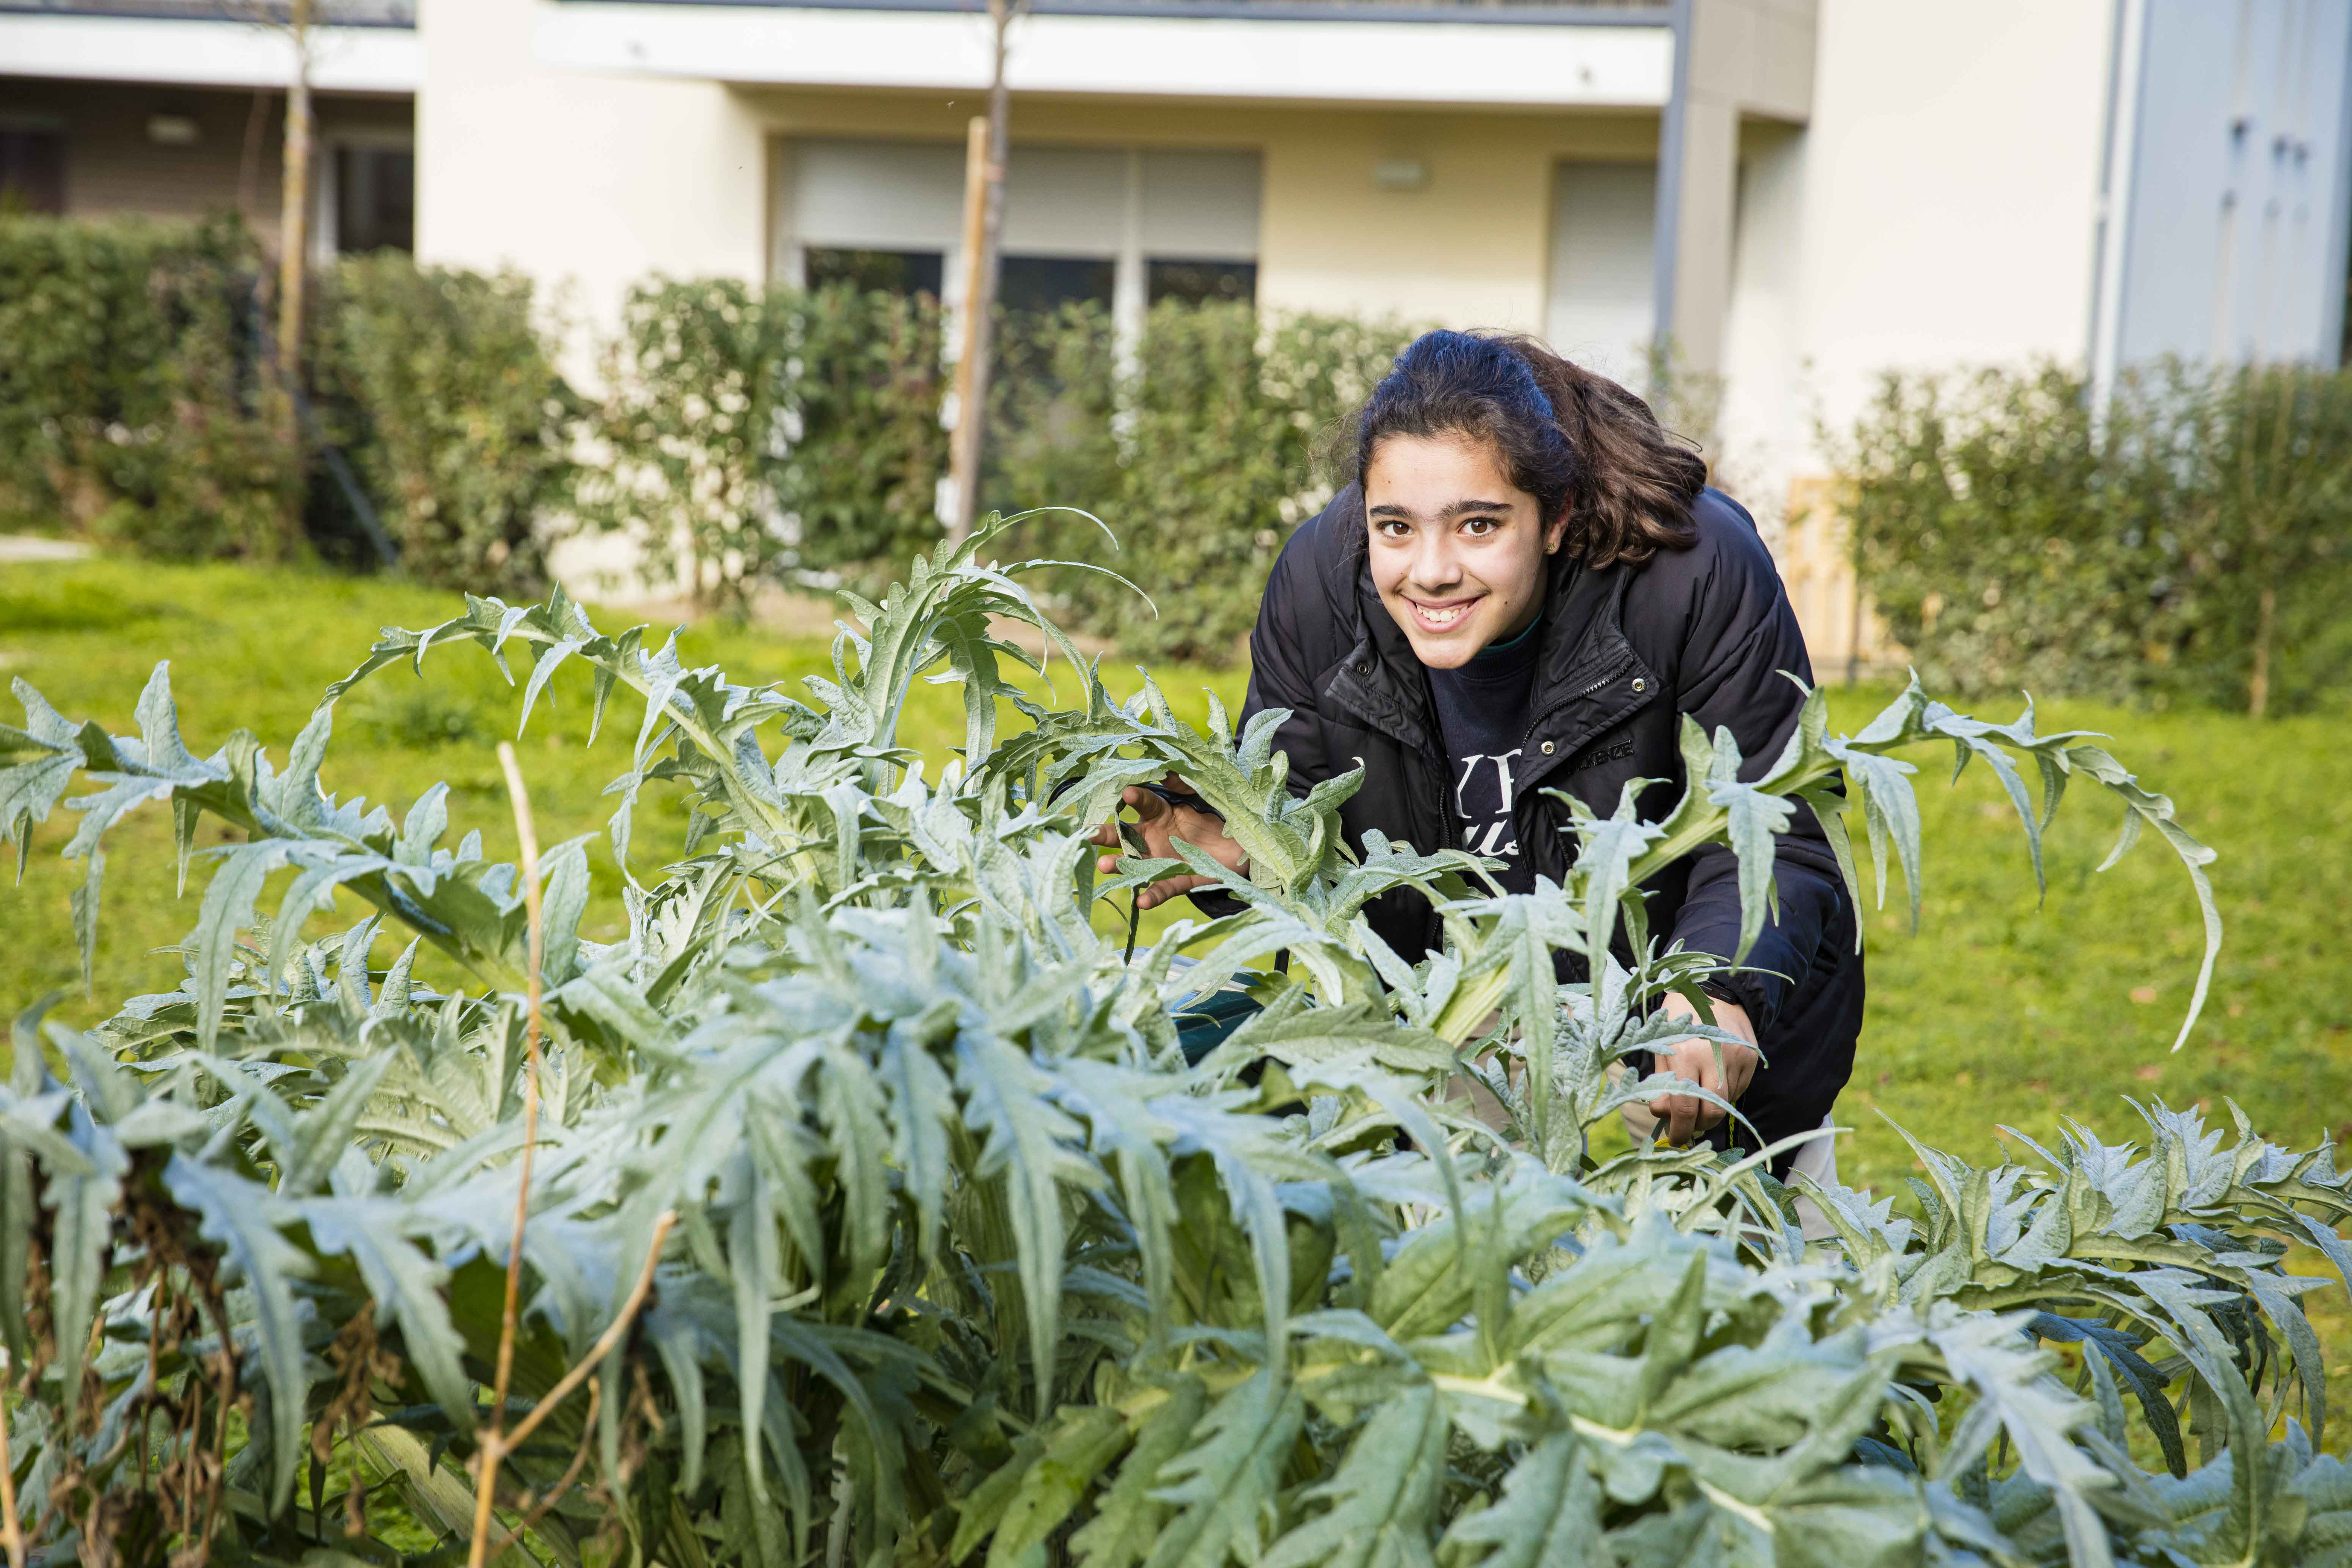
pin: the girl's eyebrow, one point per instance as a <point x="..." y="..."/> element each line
<point x="1457" y="509"/>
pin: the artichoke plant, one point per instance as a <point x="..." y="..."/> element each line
<point x="862" y="1207"/>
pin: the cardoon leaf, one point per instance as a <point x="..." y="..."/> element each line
<point x="242" y="1217"/>
<point x="81" y="1199"/>
<point x="1130" y="1515"/>
<point x="1547" y="1517"/>
<point x="1224" y="1483"/>
<point x="406" y="1285"/>
<point x="1031" y="1147"/>
<point x="1383" y="1497"/>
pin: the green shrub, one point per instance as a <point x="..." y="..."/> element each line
<point x="749" y="436"/>
<point x="132" y="396"/>
<point x="2182" y="540"/>
<point x="865" y="451"/>
<point x="1205" y="453"/>
<point x="454" y="417"/>
<point x="754" y="435"/>
<point x="870" y="1211"/>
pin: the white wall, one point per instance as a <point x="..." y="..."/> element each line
<point x="586" y="181"/>
<point x="2235" y="182"/>
<point x="1945" y="197"/>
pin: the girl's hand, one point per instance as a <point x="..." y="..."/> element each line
<point x="1157" y="823"/>
<point x="1685" y="1115"/>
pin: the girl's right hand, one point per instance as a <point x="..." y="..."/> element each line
<point x="1158" y="823"/>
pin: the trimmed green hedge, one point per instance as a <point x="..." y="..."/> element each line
<point x="1201" y="455"/>
<point x="455" y="419"/>
<point x="748" y="435"/>
<point x="139" y="402"/>
<point x="757" y="435"/>
<point x="2189" y="540"/>
<point x="132" y="400"/>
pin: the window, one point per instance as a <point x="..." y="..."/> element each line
<point x="879" y="271"/>
<point x="1043" y="283"/>
<point x="1204" y="282"/>
<point x="1121" y="227"/>
<point x="1603" y="304"/>
<point x="32" y="170"/>
<point x="376" y="199"/>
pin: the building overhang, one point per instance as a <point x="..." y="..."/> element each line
<point x="1261" y="52"/>
<point x="203" y="52"/>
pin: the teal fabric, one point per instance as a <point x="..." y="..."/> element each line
<point x="1526" y="632"/>
<point x="1204" y="1023"/>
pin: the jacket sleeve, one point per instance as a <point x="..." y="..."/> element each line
<point x="1741" y="644"/>
<point x="1282" y="673"/>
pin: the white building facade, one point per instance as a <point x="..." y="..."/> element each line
<point x="1800" y="193"/>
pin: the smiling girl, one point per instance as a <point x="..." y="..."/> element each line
<point x="1527" y="589"/>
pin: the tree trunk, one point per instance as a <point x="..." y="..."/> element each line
<point x="293" y="268"/>
<point x="294" y="210"/>
<point x="979" y="284"/>
<point x="2258" y="683"/>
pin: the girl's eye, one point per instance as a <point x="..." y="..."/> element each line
<point x="1391" y="528"/>
<point x="1480" y="527"/>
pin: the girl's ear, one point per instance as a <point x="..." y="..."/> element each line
<point x="1555" y="532"/>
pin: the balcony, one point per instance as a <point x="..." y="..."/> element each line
<point x="1594" y="12"/>
<point x="358" y="46"/>
<point x="1533" y="54"/>
<point x="328" y="12"/>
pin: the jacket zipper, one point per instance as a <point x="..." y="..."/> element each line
<point x="1533" y="719"/>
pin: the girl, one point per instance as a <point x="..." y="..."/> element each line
<point x="1525" y="587"/>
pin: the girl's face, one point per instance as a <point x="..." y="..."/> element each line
<point x="1457" y="551"/>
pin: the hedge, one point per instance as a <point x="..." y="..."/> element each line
<point x="2183" y="540"/>
<point x="751" y="435"/>
<point x="2188" y="539"/>
<point x="139" y="402"/>
<point x="455" y="418"/>
<point x="754" y="434"/>
<point x="131" y="399"/>
<point x="1201" y="452"/>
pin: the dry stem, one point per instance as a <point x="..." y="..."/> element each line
<point x="494" y="1447"/>
<point x="11" y="1531"/>
<point x="497" y="1446"/>
<point x="555" y="1494"/>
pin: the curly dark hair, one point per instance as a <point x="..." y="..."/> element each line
<point x="1575" y="441"/>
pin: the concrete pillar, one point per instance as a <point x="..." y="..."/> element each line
<point x="1735" y="60"/>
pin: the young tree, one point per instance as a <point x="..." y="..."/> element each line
<point x="983" y="227"/>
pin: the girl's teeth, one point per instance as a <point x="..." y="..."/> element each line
<point x="1443" y="617"/>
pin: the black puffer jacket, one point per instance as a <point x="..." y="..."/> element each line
<point x="1626" y="651"/>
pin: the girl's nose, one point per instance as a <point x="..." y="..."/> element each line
<point x="1434" y="565"/>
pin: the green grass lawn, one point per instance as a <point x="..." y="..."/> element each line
<point x="1994" y="1013"/>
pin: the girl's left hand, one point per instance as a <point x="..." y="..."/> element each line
<point x="1685" y="1115"/>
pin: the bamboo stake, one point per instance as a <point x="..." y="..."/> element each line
<point x="497" y="1441"/>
